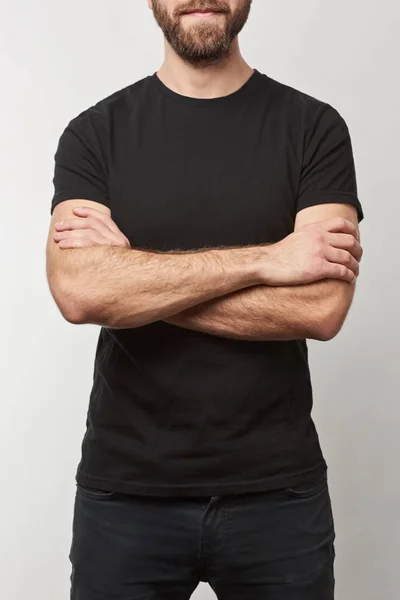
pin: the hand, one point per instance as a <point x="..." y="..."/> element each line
<point x="91" y="228"/>
<point x="326" y="249"/>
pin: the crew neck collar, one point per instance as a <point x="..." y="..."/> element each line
<point x="210" y="102"/>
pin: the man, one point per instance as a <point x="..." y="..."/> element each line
<point x="206" y="217"/>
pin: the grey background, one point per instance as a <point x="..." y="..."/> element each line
<point x="58" y="58"/>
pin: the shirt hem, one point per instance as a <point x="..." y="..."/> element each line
<point x="200" y="489"/>
<point x="71" y="195"/>
<point x="332" y="198"/>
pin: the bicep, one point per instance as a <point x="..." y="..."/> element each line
<point x="328" y="174"/>
<point x="64" y="210"/>
<point x="328" y="188"/>
<point x="320" y="212"/>
<point x="337" y="296"/>
<point x="55" y="256"/>
<point x="80" y="178"/>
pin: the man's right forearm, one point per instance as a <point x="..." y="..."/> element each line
<point x="123" y="288"/>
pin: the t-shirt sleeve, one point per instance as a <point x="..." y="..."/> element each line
<point x="80" y="169"/>
<point x="328" y="170"/>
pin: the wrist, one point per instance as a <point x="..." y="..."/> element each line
<point x="265" y="264"/>
<point x="252" y="264"/>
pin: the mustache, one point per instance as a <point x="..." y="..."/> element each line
<point x="204" y="5"/>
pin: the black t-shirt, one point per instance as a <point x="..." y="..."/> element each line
<point x="174" y="411"/>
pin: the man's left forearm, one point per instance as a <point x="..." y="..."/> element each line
<point x="316" y="311"/>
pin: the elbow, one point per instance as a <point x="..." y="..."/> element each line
<point x="329" y="324"/>
<point x="78" y="307"/>
<point x="70" y="302"/>
<point x="326" y="331"/>
<point x="73" y="313"/>
<point x="332" y="310"/>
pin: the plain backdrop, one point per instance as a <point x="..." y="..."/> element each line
<point x="57" y="59"/>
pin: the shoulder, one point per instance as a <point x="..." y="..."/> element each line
<point x="107" y="109"/>
<point x="299" y="105"/>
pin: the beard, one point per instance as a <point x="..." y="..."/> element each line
<point x="208" y="40"/>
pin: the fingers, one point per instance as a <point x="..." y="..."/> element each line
<point x="341" y="225"/>
<point x="337" y="271"/>
<point x="88" y="223"/>
<point x="85" y="211"/>
<point x="346" y="242"/>
<point x="80" y="238"/>
<point x="343" y="258"/>
<point x="103" y="225"/>
<point x="68" y="244"/>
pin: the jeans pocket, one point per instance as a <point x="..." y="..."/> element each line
<point x="95" y="493"/>
<point x="309" y="489"/>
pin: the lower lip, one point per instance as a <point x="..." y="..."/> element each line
<point x="205" y="15"/>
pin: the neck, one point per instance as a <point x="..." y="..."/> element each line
<point x="208" y="81"/>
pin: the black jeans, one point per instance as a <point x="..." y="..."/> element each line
<point x="262" y="546"/>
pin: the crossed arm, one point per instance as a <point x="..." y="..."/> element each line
<point x="315" y="310"/>
<point x="241" y="308"/>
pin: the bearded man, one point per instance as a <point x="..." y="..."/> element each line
<point x="206" y="218"/>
